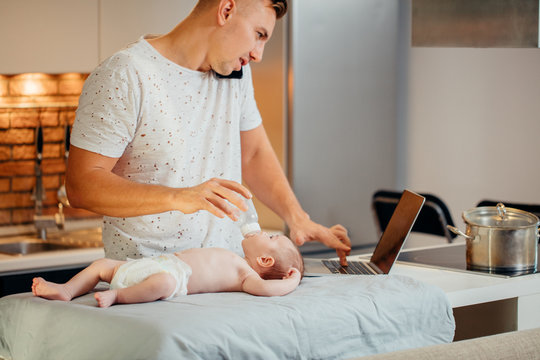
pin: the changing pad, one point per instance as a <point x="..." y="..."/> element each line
<point x="325" y="318"/>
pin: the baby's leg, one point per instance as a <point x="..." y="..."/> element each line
<point x="155" y="287"/>
<point x="83" y="282"/>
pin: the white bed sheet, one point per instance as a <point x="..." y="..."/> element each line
<point x="325" y="318"/>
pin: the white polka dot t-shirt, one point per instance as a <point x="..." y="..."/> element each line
<point x="167" y="125"/>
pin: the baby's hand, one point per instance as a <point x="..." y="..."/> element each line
<point x="293" y="273"/>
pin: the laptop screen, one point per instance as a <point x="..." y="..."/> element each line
<point x="397" y="230"/>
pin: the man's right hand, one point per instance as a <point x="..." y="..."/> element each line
<point x="215" y="196"/>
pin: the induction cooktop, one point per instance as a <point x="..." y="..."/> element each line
<point x="451" y="257"/>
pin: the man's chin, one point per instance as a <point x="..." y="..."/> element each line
<point x="223" y="69"/>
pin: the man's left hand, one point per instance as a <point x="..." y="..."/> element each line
<point x="335" y="237"/>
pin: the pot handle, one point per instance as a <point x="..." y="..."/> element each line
<point x="456" y="231"/>
<point x="501" y="209"/>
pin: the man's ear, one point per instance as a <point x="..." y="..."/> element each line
<point x="265" y="261"/>
<point x="226" y="9"/>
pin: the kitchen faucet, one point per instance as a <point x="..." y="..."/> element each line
<point x="43" y="222"/>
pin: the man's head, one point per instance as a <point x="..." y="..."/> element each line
<point x="272" y="256"/>
<point x="242" y="28"/>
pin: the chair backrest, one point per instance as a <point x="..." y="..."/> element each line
<point x="532" y="208"/>
<point x="432" y="219"/>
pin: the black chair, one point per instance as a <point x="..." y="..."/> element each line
<point x="532" y="208"/>
<point x="432" y="219"/>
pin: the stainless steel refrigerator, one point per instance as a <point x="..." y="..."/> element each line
<point x="346" y="99"/>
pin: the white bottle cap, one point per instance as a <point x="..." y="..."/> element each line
<point x="250" y="228"/>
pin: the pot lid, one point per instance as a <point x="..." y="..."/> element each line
<point x="500" y="216"/>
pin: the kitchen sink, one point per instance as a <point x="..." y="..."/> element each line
<point x="25" y="245"/>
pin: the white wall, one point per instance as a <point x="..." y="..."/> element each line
<point x="473" y="128"/>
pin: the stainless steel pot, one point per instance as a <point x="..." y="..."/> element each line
<point x="500" y="239"/>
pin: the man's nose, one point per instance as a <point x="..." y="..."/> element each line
<point x="257" y="53"/>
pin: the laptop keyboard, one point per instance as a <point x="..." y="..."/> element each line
<point x="354" y="268"/>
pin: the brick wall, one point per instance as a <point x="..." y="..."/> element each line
<point x="26" y="102"/>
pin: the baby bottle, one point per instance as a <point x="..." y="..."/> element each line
<point x="248" y="221"/>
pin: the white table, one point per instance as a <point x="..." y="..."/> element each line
<point x="483" y="304"/>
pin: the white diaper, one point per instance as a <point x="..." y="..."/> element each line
<point x="136" y="270"/>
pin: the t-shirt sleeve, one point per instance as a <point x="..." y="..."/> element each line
<point x="251" y="117"/>
<point x="106" y="118"/>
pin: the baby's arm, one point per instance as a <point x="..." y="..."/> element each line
<point x="253" y="284"/>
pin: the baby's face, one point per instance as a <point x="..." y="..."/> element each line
<point x="261" y="243"/>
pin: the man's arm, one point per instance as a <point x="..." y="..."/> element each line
<point x="254" y="285"/>
<point x="91" y="185"/>
<point x="263" y="174"/>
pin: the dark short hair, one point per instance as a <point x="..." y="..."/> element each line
<point x="280" y="6"/>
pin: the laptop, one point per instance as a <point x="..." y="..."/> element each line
<point x="387" y="249"/>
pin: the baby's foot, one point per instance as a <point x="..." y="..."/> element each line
<point x="49" y="290"/>
<point x="106" y="298"/>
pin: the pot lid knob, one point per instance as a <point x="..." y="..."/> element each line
<point x="501" y="209"/>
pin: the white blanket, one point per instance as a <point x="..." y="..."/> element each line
<point x="325" y="318"/>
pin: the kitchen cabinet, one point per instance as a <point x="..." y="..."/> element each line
<point x="21" y="281"/>
<point x="17" y="272"/>
<point x="58" y="36"/>
<point x="53" y="36"/>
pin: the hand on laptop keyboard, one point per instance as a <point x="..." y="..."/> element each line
<point x="353" y="268"/>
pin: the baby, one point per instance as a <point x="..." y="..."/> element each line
<point x="272" y="266"/>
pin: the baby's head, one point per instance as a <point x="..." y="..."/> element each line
<point x="272" y="256"/>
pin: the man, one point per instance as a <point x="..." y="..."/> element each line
<point x="160" y="135"/>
